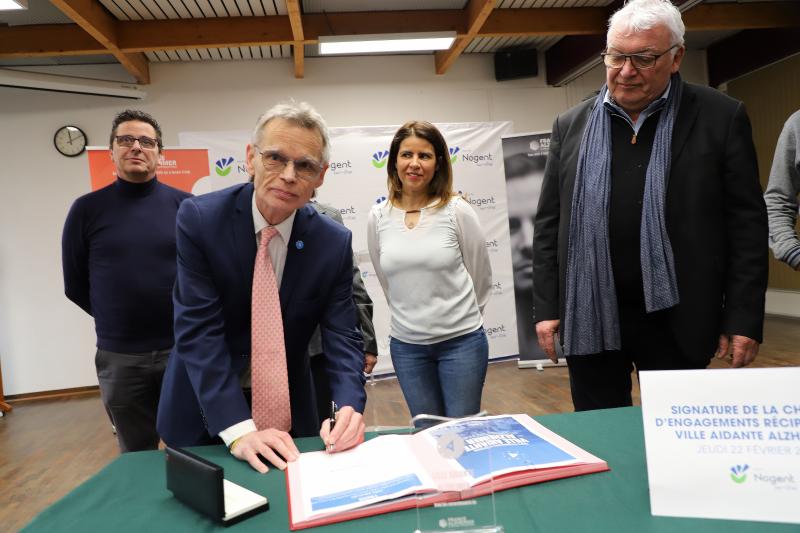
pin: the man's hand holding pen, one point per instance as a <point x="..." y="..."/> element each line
<point x="343" y="430"/>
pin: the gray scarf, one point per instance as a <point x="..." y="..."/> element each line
<point x="591" y="322"/>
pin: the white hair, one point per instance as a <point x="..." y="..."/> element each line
<point x="641" y="15"/>
<point x="300" y="113"/>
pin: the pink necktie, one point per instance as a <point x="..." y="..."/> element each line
<point x="270" y="381"/>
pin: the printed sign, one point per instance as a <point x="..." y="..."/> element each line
<point x="723" y="443"/>
<point x="177" y="167"/>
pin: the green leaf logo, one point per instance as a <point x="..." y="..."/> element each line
<point x="223" y="166"/>
<point x="454" y="153"/>
<point x="739" y="473"/>
<point x="380" y="158"/>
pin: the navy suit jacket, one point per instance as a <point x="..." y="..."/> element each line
<point x="201" y="393"/>
<point x="715" y="215"/>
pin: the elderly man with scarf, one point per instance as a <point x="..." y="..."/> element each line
<point x="650" y="247"/>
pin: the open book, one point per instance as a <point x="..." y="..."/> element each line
<point x="450" y="462"/>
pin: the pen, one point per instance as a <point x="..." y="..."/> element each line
<point x="332" y="422"/>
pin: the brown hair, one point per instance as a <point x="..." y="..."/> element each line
<point x="441" y="186"/>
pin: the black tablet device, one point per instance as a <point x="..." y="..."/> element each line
<point x="201" y="485"/>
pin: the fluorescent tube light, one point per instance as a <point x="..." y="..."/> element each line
<point x="66" y="84"/>
<point x="387" y="42"/>
<point x="7" y="5"/>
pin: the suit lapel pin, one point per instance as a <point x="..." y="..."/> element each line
<point x="299" y="245"/>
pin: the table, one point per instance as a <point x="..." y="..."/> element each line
<point x="130" y="493"/>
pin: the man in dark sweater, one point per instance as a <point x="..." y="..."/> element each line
<point x="650" y="246"/>
<point x="118" y="255"/>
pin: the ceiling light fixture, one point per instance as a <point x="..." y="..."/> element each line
<point x="7" y="5"/>
<point x="387" y="42"/>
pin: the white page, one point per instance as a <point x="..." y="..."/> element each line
<point x="380" y="469"/>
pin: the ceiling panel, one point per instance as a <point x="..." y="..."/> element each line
<point x="519" y="4"/>
<point x="335" y="6"/>
<point x="175" y="9"/>
<point x="221" y="54"/>
<point x="495" y="44"/>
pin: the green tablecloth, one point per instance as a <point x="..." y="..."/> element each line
<point x="130" y="494"/>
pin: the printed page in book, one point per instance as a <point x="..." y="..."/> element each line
<point x="514" y="443"/>
<point x="444" y="463"/>
<point x="380" y="469"/>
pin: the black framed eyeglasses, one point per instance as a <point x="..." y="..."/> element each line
<point x="147" y="143"/>
<point x="305" y="168"/>
<point x="639" y="61"/>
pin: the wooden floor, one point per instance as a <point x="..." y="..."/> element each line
<point x="48" y="447"/>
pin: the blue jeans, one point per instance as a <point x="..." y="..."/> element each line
<point x="445" y="378"/>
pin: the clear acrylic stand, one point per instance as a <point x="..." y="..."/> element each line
<point x="465" y="514"/>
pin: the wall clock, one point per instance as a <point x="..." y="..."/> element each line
<point x="70" y="141"/>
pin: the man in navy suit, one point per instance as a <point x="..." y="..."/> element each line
<point x="206" y="390"/>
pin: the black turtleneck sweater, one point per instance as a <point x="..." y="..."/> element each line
<point x="118" y="254"/>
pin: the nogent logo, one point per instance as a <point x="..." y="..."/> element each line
<point x="485" y="202"/>
<point x="454" y="154"/>
<point x="481" y="160"/>
<point x="380" y="158"/>
<point x="493" y="245"/>
<point x="776" y="480"/>
<point x="481" y="202"/>
<point x="348" y="212"/>
<point x="380" y="199"/>
<point x="223" y="166"/>
<point x="739" y="473"/>
<point x="496" y="332"/>
<point x="341" y="167"/>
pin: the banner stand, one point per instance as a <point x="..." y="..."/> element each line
<point x="541" y="364"/>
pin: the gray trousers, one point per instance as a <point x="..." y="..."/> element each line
<point x="130" y="385"/>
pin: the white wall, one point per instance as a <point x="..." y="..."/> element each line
<point x="46" y="342"/>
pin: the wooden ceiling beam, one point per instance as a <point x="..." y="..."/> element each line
<point x="102" y="26"/>
<point x="298" y="50"/>
<point x="477" y="11"/>
<point x="752" y="16"/>
<point x="47" y="40"/>
<point x="152" y="35"/>
<point x="544" y="21"/>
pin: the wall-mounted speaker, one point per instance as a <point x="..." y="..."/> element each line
<point x="515" y="64"/>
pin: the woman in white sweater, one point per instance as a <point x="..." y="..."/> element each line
<point x="429" y="253"/>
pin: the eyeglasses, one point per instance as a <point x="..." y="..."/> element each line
<point x="147" y="143"/>
<point x="639" y="61"/>
<point x="304" y="168"/>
